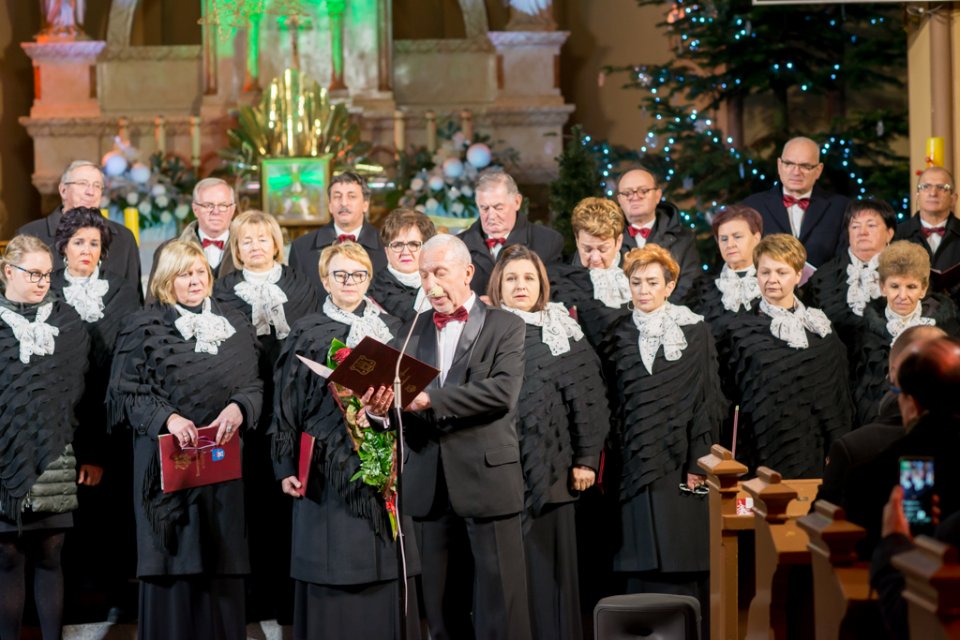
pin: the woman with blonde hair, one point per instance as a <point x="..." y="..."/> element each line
<point x="184" y="363"/>
<point x="789" y="370"/>
<point x="273" y="297"/>
<point x="43" y="351"/>
<point x="594" y="287"/>
<point x="344" y="557"/>
<point x="904" y="276"/>
<point x="563" y="420"/>
<point x="662" y="367"/>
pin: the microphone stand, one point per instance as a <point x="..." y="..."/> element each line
<point x="398" y="415"/>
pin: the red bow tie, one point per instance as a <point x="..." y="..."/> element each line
<point x="441" y="319"/>
<point x="789" y="201"/>
<point x="929" y="231"/>
<point x="207" y="242"/>
<point x="492" y="242"/>
<point x="642" y="232"/>
<point x="345" y="237"/>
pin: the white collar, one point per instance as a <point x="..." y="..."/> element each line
<point x="271" y="275"/>
<point x="355" y="233"/>
<point x="611" y="285"/>
<point x="558" y="326"/>
<point x="35" y="338"/>
<point x="207" y="327"/>
<point x="897" y="324"/>
<point x="266" y="300"/>
<point x="223" y="236"/>
<point x="85" y="295"/>
<point x="791" y="325"/>
<point x="368" y="324"/>
<point x="663" y="327"/>
<point x="863" y="282"/>
<point x="738" y="290"/>
<point x="410" y="280"/>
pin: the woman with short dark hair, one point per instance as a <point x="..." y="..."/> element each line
<point x="662" y="367"/>
<point x="397" y="288"/>
<point x="184" y="363"/>
<point x="563" y="420"/>
<point x="789" y="370"/>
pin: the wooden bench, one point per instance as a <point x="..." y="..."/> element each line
<point x="932" y="589"/>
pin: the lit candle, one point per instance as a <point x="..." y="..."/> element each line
<point x="934" y="152"/>
<point x="399" y="131"/>
<point x="195" y="141"/>
<point x="431" y="131"/>
<point x="160" y="134"/>
<point x="131" y="220"/>
<point x="466" y="125"/>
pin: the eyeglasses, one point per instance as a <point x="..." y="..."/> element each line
<point x="412" y="246"/>
<point x="86" y="184"/>
<point x="222" y="207"/>
<point x="928" y="186"/>
<point x="803" y="166"/>
<point x="344" y="277"/>
<point x="35" y="276"/>
<point x="639" y="191"/>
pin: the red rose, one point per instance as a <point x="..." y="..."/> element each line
<point x="341" y="355"/>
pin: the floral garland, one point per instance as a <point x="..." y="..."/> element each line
<point x="159" y="190"/>
<point x="376" y="449"/>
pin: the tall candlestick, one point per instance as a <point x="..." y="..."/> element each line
<point x="195" y="141"/>
<point x="399" y="132"/>
<point x="123" y="129"/>
<point x="935" y="152"/>
<point x="431" y="131"/>
<point x="466" y="125"/>
<point x="160" y="135"/>
<point x="131" y="220"/>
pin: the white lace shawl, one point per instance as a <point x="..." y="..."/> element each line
<point x="368" y="324"/>
<point x="558" y="326"/>
<point x="864" y="282"/>
<point x="207" y="327"/>
<point x="662" y="327"/>
<point x="266" y="300"/>
<point x="35" y="338"/>
<point x="738" y="291"/>
<point x="791" y="326"/>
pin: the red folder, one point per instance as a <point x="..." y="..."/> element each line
<point x="306" y="457"/>
<point x="207" y="463"/>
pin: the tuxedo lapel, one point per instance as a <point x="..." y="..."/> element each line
<point x="813" y="215"/>
<point x="777" y="212"/>
<point x="426" y="347"/>
<point x="461" y="357"/>
<point x="325" y="236"/>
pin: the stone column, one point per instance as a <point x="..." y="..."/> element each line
<point x="64" y="78"/>
<point x="336" y="9"/>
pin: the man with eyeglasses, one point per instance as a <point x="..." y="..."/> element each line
<point x="81" y="185"/>
<point x="502" y="224"/>
<point x="348" y="201"/>
<point x="799" y="207"/>
<point x="935" y="227"/>
<point x="214" y="204"/>
<point x="651" y="220"/>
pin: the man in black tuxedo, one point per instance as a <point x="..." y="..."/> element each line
<point x="81" y="185"/>
<point x="348" y="200"/>
<point x="462" y="482"/>
<point x="214" y="204"/>
<point x="501" y="224"/>
<point x="934" y="227"/>
<point x="650" y="220"/>
<point x="799" y="207"/>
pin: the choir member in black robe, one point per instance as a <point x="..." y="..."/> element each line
<point x="273" y="296"/>
<point x="904" y="274"/>
<point x="397" y="288"/>
<point x="722" y="300"/>
<point x="184" y="363"/>
<point x="843" y="286"/>
<point x="43" y="351"/>
<point x="103" y="300"/>
<point x="564" y="419"/>
<point x="598" y="291"/>
<point x="662" y="366"/>
<point x="344" y="560"/>
<point x="790" y="371"/>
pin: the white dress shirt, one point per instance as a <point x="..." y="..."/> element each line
<point x="214" y="254"/>
<point x="935" y="238"/>
<point x="355" y="233"/>
<point x="796" y="215"/>
<point x="448" y="338"/>
<point x="639" y="239"/>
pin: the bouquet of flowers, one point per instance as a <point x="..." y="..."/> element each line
<point x="159" y="190"/>
<point x="441" y="184"/>
<point x="376" y="449"/>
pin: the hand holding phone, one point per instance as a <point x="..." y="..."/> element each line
<point x="917" y="483"/>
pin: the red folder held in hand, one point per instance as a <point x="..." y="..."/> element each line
<point x="207" y="463"/>
<point x="306" y="457"/>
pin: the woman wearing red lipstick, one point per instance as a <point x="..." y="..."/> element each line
<point x="662" y="367"/>
<point x="563" y="422"/>
<point x="43" y="357"/>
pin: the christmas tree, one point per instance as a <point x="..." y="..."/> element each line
<point x="577" y="179"/>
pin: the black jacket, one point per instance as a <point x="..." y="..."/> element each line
<point x="190" y="233"/>
<point x="670" y="233"/>
<point x="545" y="241"/>
<point x="123" y="258"/>
<point x="305" y="250"/>
<point x="948" y="253"/>
<point x="821" y="232"/>
<point x="472" y="424"/>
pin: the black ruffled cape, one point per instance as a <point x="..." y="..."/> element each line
<point x="571" y="285"/>
<point x="872" y="350"/>
<point x="564" y="417"/>
<point x="827" y="290"/>
<point x="793" y="402"/>
<point x="395" y="297"/>
<point x="37" y="401"/>
<point x="157" y="373"/>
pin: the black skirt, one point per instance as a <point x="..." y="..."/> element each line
<point x="192" y="608"/>
<point x="550" y="548"/>
<point x="368" y="611"/>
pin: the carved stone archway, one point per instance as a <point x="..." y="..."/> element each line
<point x="474" y="18"/>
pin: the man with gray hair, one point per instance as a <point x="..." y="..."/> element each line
<point x="81" y="185"/>
<point x="462" y="482"/>
<point x="214" y="204"/>
<point x="501" y="224"/>
<point x="799" y="207"/>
